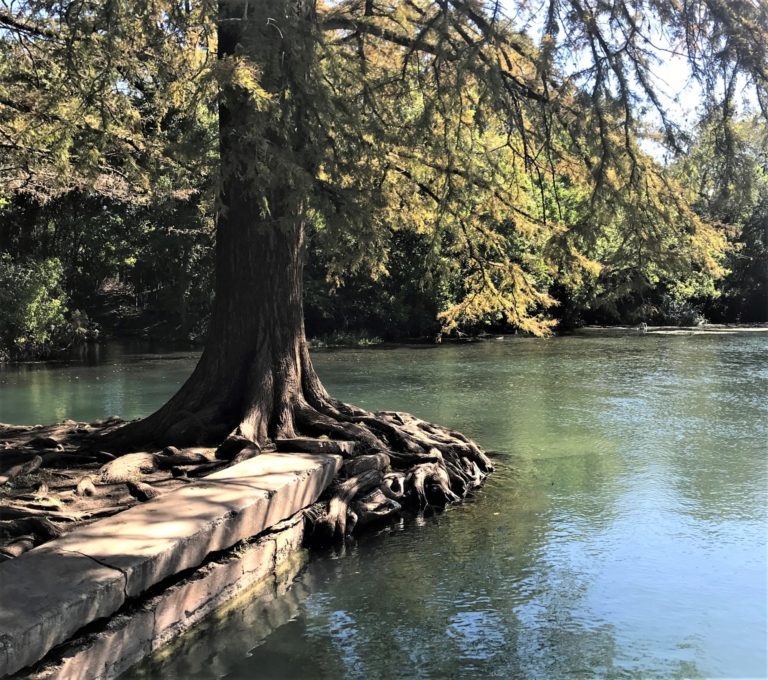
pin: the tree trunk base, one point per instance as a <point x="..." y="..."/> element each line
<point x="393" y="461"/>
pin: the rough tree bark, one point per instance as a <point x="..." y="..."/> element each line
<point x="255" y="378"/>
<point x="255" y="374"/>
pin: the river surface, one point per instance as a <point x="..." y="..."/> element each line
<point x="623" y="534"/>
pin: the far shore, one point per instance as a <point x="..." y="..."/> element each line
<point x="369" y="342"/>
<point x="704" y="329"/>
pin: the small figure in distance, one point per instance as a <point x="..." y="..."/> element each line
<point x="642" y="328"/>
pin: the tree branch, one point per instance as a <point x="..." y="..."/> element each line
<point x="11" y="22"/>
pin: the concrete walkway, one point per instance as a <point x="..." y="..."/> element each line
<point x="51" y="592"/>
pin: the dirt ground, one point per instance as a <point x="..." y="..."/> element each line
<point x="54" y="478"/>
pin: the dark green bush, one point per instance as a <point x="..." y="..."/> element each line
<point x="32" y="307"/>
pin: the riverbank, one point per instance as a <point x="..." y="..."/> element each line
<point x="704" y="329"/>
<point x="150" y="572"/>
<point x="94" y="352"/>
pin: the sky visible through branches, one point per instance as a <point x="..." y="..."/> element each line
<point x="674" y="82"/>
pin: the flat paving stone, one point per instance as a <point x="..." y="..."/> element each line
<point x="46" y="595"/>
<point x="51" y="592"/>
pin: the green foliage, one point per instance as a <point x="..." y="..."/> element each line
<point x="745" y="296"/>
<point x="727" y="168"/>
<point x="105" y="97"/>
<point x="131" y="268"/>
<point x="459" y="167"/>
<point x="517" y="199"/>
<point x="33" y="306"/>
<point x="401" y="303"/>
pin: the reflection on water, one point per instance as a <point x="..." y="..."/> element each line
<point x="624" y="533"/>
<point x="209" y="648"/>
<point x="120" y="379"/>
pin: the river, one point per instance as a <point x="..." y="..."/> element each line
<point x="623" y="534"/>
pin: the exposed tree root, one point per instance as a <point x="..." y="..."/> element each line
<point x="413" y="462"/>
<point x="85" y="486"/>
<point x="312" y="421"/>
<point x="394" y="485"/>
<point x="21" y="469"/>
<point x="430" y="477"/>
<point x="142" y="492"/>
<point x="373" y="508"/>
<point x="400" y="461"/>
<point x="358" y="465"/>
<point x="51" y="480"/>
<point x="333" y="523"/>
<point x="128" y="467"/>
<point x="18" y="546"/>
<point x="37" y="526"/>
<point x="393" y="461"/>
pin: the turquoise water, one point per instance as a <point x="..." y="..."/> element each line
<point x="623" y="535"/>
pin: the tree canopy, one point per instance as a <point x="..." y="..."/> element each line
<point x="512" y="138"/>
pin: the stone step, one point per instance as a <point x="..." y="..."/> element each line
<point x="49" y="593"/>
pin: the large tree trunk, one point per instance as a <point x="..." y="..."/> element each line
<point x="255" y="372"/>
<point x="255" y="378"/>
<point x="250" y="375"/>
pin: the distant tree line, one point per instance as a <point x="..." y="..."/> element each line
<point x="81" y="264"/>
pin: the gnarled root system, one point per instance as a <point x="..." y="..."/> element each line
<point x="392" y="461"/>
<point x="399" y="461"/>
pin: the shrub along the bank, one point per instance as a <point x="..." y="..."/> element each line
<point x="33" y="318"/>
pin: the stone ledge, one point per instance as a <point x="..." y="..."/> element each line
<point x="149" y="624"/>
<point x="51" y="592"/>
